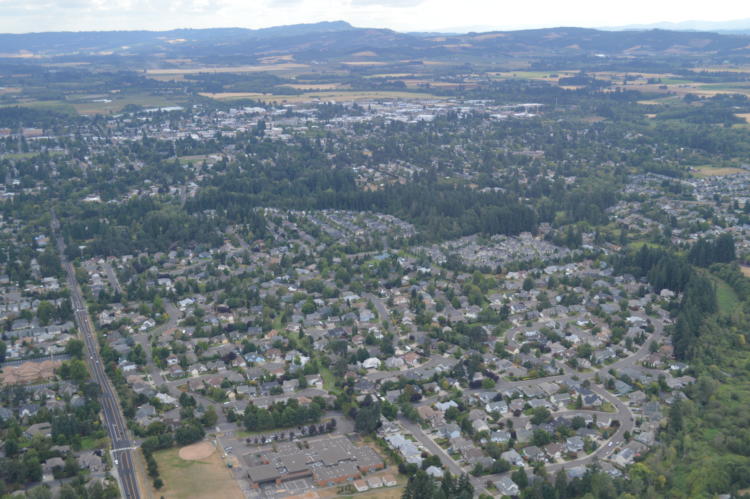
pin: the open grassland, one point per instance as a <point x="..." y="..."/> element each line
<point x="233" y="95"/>
<point x="335" y="96"/>
<point x="725" y="296"/>
<point x="118" y="102"/>
<point x="314" y="86"/>
<point x="710" y="171"/>
<point x="91" y="105"/>
<point x="654" y="83"/>
<point x="202" y="479"/>
<point x="723" y="69"/>
<point x="286" y="66"/>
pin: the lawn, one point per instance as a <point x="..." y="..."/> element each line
<point x="203" y="479"/>
<point x="90" y="443"/>
<point x="329" y="380"/>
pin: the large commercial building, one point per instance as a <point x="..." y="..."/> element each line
<point x="327" y="461"/>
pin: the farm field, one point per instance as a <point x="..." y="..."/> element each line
<point x="340" y="96"/>
<point x="287" y="66"/>
<point x="710" y="171"/>
<point x="204" y="478"/>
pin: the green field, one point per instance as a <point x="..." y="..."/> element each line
<point x="203" y="479"/>
<point x="726" y="297"/>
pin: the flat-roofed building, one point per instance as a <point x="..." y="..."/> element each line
<point x="327" y="461"/>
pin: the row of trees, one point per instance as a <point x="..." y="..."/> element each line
<point x="281" y="415"/>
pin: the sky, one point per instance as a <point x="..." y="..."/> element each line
<point x="21" y="16"/>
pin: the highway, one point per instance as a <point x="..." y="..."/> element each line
<point x="122" y="446"/>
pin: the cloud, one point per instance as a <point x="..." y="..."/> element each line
<point x="283" y="3"/>
<point x="386" y="3"/>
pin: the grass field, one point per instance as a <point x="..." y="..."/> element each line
<point x="389" y="493"/>
<point x="55" y="106"/>
<point x="336" y="96"/>
<point x="329" y="380"/>
<point x="343" y="96"/>
<point x="710" y="171"/>
<point x="725" y="296"/>
<point x="185" y="160"/>
<point x="203" y="479"/>
<point x="745" y="270"/>
<point x="120" y="101"/>
<point x="89" y="443"/>
<point x="287" y="66"/>
<point x="313" y="86"/>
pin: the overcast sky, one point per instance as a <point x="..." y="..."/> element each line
<point x="19" y="16"/>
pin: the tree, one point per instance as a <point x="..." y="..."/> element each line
<point x="419" y="486"/>
<point x="540" y="415"/>
<point x="3" y="351"/>
<point x="519" y="476"/>
<point x="74" y="369"/>
<point x="188" y="434"/>
<point x="209" y="418"/>
<point x="45" y="312"/>
<point x="74" y="348"/>
<point x="367" y="419"/>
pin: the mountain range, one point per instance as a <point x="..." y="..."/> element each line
<point x="332" y="41"/>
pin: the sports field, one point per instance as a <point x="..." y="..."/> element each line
<point x="195" y="471"/>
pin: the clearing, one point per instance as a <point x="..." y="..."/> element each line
<point x="203" y="478"/>
<point x="711" y="171"/>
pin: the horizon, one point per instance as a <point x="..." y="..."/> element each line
<point x="690" y="25"/>
<point x="37" y="16"/>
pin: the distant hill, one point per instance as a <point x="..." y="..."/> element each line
<point x="62" y="42"/>
<point x="331" y="41"/>
<point x="734" y="26"/>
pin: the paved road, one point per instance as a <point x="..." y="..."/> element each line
<point x="383" y="314"/>
<point x="112" y="276"/>
<point x="111" y="412"/>
<point x="445" y="458"/>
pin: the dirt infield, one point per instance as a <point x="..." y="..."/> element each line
<point x="198" y="451"/>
